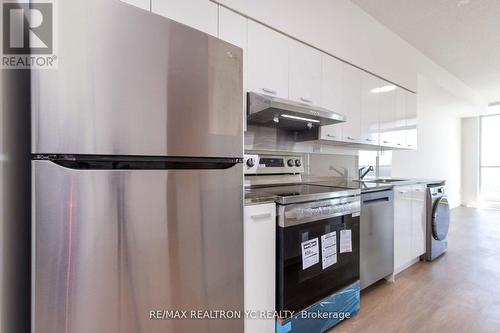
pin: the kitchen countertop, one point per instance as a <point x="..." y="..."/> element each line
<point x="368" y="186"/>
<point x="255" y="197"/>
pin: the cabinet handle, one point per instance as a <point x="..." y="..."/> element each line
<point x="306" y="100"/>
<point x="331" y="136"/>
<point x="269" y="91"/>
<point x="261" y="216"/>
<point x="387" y="142"/>
<point x="399" y="144"/>
<point x="350" y="138"/>
<point x="369" y="140"/>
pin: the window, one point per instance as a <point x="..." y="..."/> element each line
<point x="490" y="158"/>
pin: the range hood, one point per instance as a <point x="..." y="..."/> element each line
<point x="270" y="111"/>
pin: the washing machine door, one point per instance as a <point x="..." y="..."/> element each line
<point x="440" y="218"/>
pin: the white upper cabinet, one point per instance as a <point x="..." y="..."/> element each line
<point x="331" y="94"/>
<point x="377" y="111"/>
<point x="267" y="61"/>
<point x="397" y="118"/>
<point x="198" y="14"/>
<point x="400" y="118"/>
<point x="305" y="73"/>
<point x="369" y="110"/>
<point x="351" y="104"/>
<point x="232" y="28"/>
<point x="387" y="101"/>
<point x="331" y="83"/>
<point x="144" y="4"/>
<point x="411" y="120"/>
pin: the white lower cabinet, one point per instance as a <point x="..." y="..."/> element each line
<point x="260" y="265"/>
<point x="402" y="226"/>
<point x="419" y="222"/>
<point x="409" y="224"/>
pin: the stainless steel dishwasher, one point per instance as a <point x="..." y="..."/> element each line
<point x="376" y="236"/>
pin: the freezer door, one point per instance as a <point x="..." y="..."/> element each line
<point x="110" y="246"/>
<point x="130" y="82"/>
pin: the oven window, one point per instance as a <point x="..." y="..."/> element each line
<point x="298" y="288"/>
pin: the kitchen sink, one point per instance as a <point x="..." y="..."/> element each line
<point x="384" y="180"/>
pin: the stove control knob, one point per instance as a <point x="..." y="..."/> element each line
<point x="298" y="163"/>
<point x="291" y="163"/>
<point x="250" y="163"/>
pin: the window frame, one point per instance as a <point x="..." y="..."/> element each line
<point x="481" y="118"/>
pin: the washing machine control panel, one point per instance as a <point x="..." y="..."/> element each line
<point x="437" y="191"/>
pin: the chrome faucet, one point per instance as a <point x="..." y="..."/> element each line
<point x="362" y="174"/>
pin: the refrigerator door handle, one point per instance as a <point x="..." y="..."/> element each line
<point x="109" y="162"/>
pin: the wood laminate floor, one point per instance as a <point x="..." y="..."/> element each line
<point x="459" y="292"/>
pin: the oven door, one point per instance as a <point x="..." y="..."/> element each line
<point x="303" y="277"/>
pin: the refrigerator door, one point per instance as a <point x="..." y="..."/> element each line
<point x="112" y="247"/>
<point x="130" y="82"/>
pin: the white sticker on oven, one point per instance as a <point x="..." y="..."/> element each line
<point x="310" y="253"/>
<point x="329" y="249"/>
<point x="345" y="241"/>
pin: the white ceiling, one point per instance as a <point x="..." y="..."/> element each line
<point x="463" y="36"/>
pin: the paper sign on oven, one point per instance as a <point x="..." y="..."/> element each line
<point x="310" y="253"/>
<point x="345" y="241"/>
<point x="329" y="249"/>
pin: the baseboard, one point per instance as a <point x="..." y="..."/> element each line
<point x="486" y="205"/>
<point x="405" y="266"/>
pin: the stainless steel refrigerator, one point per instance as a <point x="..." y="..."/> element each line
<point x="137" y="178"/>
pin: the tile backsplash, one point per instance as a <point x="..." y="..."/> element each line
<point x="380" y="160"/>
<point x="344" y="166"/>
<point x="321" y="158"/>
<point x="258" y="138"/>
<point x="321" y="165"/>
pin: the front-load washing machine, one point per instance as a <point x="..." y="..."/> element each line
<point x="438" y="222"/>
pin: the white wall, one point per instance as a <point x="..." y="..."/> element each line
<point x="470" y="160"/>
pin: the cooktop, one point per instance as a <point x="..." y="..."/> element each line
<point x="295" y="193"/>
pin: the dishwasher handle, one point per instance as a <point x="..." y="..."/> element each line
<point x="377" y="200"/>
<point x="372" y="198"/>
